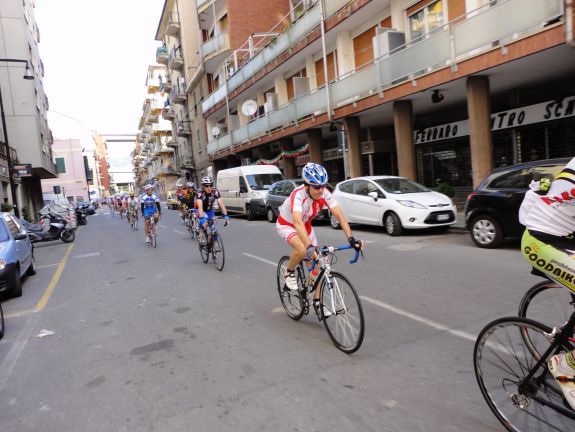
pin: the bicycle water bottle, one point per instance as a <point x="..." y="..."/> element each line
<point x="312" y="275"/>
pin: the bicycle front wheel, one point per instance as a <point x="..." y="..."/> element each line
<point x="342" y="313"/>
<point x="291" y="301"/>
<point x="204" y="251"/>
<point x="218" y="254"/>
<point x="501" y="360"/>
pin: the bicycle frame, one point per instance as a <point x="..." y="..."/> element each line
<point x="560" y="336"/>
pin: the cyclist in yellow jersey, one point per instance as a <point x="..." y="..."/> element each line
<point x="548" y="214"/>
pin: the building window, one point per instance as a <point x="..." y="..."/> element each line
<point x="61" y="165"/>
<point x="425" y="20"/>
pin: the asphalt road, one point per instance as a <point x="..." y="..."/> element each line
<point x="155" y="340"/>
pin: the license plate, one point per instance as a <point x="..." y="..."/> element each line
<point x="442" y="217"/>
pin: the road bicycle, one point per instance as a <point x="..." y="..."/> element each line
<point x="1" y="322"/>
<point x="192" y="224"/>
<point x="510" y="361"/>
<point x="211" y="243"/>
<point x="340" y="308"/>
<point x="153" y="232"/>
<point x="133" y="219"/>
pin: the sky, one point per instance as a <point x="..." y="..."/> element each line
<point x="96" y="55"/>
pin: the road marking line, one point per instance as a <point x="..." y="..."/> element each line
<point x="87" y="255"/>
<point x="19" y="313"/>
<point x="427" y="322"/>
<point x="420" y="319"/>
<point x="163" y="226"/>
<point x="261" y="259"/>
<point x="55" y="279"/>
<point x="47" y="265"/>
<point x="179" y="232"/>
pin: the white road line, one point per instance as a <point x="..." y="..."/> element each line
<point x="179" y="232"/>
<point x="420" y="319"/>
<point x="427" y="322"/>
<point x="260" y="259"/>
<point x="163" y="226"/>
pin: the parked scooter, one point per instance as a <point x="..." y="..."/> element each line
<point x="80" y="216"/>
<point x="57" y="230"/>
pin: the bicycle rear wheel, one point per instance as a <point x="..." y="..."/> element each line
<point x="501" y="360"/>
<point x="136" y="223"/>
<point x="345" y="323"/>
<point x="218" y="254"/>
<point x="292" y="302"/>
<point x="548" y="303"/>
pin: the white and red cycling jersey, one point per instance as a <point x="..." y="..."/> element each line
<point x="300" y="201"/>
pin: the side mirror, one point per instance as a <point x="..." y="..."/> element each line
<point x="20" y="236"/>
<point x="374" y="195"/>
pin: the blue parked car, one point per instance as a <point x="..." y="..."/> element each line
<point x="16" y="255"/>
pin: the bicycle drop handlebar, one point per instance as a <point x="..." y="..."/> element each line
<point x="324" y="250"/>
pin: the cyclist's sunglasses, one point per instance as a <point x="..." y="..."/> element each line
<point x="208" y="185"/>
<point x="317" y="187"/>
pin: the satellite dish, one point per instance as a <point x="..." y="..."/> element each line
<point x="249" y="107"/>
<point x="216" y="131"/>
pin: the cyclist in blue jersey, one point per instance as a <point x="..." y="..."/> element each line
<point x="205" y="202"/>
<point x="150" y="206"/>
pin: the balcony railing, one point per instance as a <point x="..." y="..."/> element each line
<point x="456" y="41"/>
<point x="294" y="33"/>
<point x="179" y="93"/>
<point x="162" y="55"/>
<point x="175" y="59"/>
<point x="173" y="25"/>
<point x="215" y="44"/>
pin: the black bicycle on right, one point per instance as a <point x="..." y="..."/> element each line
<point x="1" y="322"/>
<point x="211" y="243"/>
<point x="510" y="360"/>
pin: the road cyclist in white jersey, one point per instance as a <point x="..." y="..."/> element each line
<point x="150" y="207"/>
<point x="548" y="243"/>
<point x="133" y="204"/>
<point x="295" y="216"/>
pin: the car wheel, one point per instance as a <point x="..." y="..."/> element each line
<point x="271" y="215"/>
<point x="32" y="269"/>
<point x="15" y="283"/>
<point x="334" y="222"/>
<point x="249" y="213"/>
<point x="392" y="224"/>
<point x="486" y="232"/>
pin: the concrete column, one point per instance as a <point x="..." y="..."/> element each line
<point x="290" y="170"/>
<point x="345" y="57"/>
<point x="280" y="87"/>
<point x="354" y="160"/>
<point x="479" y="110"/>
<point x="315" y="150"/>
<point x="403" y="125"/>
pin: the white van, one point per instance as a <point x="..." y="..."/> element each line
<point x="244" y="188"/>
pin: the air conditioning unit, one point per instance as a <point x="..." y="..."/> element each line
<point x="387" y="41"/>
<point x="271" y="102"/>
<point x="300" y="86"/>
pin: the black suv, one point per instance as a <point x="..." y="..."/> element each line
<point x="492" y="210"/>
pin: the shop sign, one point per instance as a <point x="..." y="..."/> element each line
<point x="538" y="113"/>
<point x="442" y="155"/>
<point x="302" y="160"/>
<point x="23" y="170"/>
<point x="331" y="154"/>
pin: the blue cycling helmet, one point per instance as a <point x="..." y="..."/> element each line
<point x="314" y="174"/>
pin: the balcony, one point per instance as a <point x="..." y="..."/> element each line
<point x="184" y="130"/>
<point x="162" y="55"/>
<point x="163" y="149"/>
<point x="175" y="59"/>
<point x="215" y="50"/>
<point x="297" y="31"/>
<point x="167" y="86"/>
<point x="172" y="143"/>
<point x="173" y="25"/>
<point x="178" y="95"/>
<point x="168" y="113"/>
<point x="187" y="161"/>
<point x="166" y="171"/>
<point x="151" y="118"/>
<point x="455" y="42"/>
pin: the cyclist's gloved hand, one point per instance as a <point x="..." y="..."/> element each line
<point x="356" y="244"/>
<point x="226" y="220"/>
<point x="312" y="251"/>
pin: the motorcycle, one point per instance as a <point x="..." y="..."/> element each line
<point x="57" y="229"/>
<point x="81" y="216"/>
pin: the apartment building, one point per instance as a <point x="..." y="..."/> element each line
<point x="71" y="180"/>
<point x="101" y="155"/>
<point x="197" y="37"/>
<point x="429" y="89"/>
<point x="153" y="155"/>
<point x="24" y="101"/>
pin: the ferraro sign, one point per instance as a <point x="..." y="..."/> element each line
<point x="542" y="112"/>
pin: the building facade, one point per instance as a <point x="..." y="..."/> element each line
<point x="71" y="181"/>
<point x="430" y="90"/>
<point x="24" y="101"/>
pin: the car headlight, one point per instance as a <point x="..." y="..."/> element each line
<point x="412" y="204"/>
<point x="2" y="264"/>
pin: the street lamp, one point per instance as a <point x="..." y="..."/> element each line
<point x="28" y="75"/>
